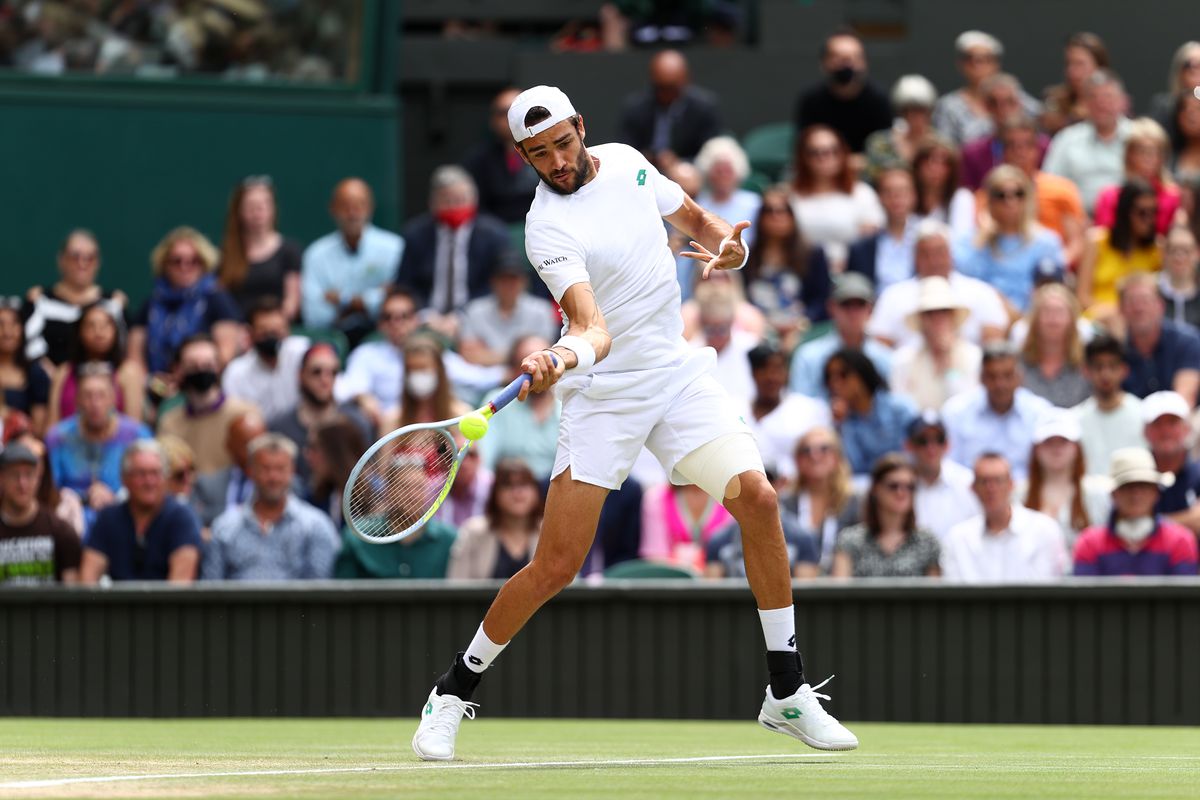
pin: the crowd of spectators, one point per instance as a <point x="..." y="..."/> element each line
<point x="964" y="340"/>
<point x="246" y="40"/>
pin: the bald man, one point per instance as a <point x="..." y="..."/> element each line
<point x="672" y="119"/>
<point x="345" y="273"/>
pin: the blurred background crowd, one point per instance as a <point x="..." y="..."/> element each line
<point x="965" y="338"/>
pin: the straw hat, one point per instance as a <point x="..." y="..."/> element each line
<point x="1136" y="465"/>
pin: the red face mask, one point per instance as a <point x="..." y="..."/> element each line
<point x="455" y="218"/>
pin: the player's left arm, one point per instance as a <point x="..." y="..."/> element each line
<point x="586" y="334"/>
<point x="715" y="242"/>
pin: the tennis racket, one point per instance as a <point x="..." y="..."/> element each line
<point x="403" y="479"/>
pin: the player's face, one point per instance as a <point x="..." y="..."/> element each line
<point x="559" y="157"/>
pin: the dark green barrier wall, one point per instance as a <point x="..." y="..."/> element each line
<point x="130" y="162"/>
<point x="1086" y="653"/>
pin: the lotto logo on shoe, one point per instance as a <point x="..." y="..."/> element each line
<point x="792" y="713"/>
<point x="641" y="178"/>
<point x="792" y="641"/>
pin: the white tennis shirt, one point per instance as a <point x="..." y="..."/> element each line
<point x="610" y="234"/>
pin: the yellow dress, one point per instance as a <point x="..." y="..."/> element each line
<point x="1112" y="266"/>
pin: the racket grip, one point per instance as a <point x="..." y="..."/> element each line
<point x="513" y="389"/>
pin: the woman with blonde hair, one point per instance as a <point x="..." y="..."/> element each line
<point x="822" y="500"/>
<point x="256" y="260"/>
<point x="1147" y="151"/>
<point x="185" y="300"/>
<point x="1053" y="349"/>
<point x="1182" y="78"/>
<point x="1012" y="249"/>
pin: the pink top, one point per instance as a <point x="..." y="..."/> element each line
<point x="1168" y="204"/>
<point x="66" y="399"/>
<point x="668" y="535"/>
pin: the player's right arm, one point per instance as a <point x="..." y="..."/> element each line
<point x="585" y="322"/>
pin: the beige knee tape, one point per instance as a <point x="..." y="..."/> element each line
<point x="715" y="466"/>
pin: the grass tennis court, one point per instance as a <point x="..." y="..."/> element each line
<point x="537" y="759"/>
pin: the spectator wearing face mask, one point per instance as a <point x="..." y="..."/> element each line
<point x="845" y="99"/>
<point x="266" y="375"/>
<point x="204" y="418"/>
<point x="1135" y="540"/>
<point x="428" y="395"/>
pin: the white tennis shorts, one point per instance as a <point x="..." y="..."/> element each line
<point x="608" y="417"/>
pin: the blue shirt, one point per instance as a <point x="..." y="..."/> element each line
<point x="1010" y="265"/>
<point x="881" y="430"/>
<point x="973" y="428"/>
<point x="329" y="264"/>
<point x="302" y="544"/>
<point x="147" y="559"/>
<point x="1178" y="348"/>
<point x="76" y="463"/>
<point x="808" y="363"/>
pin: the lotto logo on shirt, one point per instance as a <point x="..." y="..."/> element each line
<point x="641" y="177"/>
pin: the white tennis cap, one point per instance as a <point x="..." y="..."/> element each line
<point x="1161" y="404"/>
<point x="550" y="98"/>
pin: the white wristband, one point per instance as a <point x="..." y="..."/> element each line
<point x="745" y="251"/>
<point x="585" y="354"/>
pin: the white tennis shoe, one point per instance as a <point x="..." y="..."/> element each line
<point x="443" y="713"/>
<point x="803" y="717"/>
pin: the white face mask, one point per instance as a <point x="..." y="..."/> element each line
<point x="1135" y="530"/>
<point x="422" y="383"/>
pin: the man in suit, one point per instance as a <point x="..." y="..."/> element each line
<point x="886" y="257"/>
<point x="671" y="119"/>
<point x="452" y="250"/>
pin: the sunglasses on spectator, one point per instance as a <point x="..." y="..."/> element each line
<point x="812" y="450"/>
<point x="182" y="472"/>
<point x="1189" y="64"/>
<point x="321" y="370"/>
<point x="79" y="255"/>
<point x="1011" y="194"/>
<point x="399" y="316"/>
<point x="922" y="441"/>
<point x="900" y="486"/>
<point x="179" y="261"/>
<point x="823" y="152"/>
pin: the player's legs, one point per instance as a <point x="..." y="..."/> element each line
<point x="568" y="528"/>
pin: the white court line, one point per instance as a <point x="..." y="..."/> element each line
<point x="620" y="762"/>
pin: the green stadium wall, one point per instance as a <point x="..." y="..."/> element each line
<point x="130" y="160"/>
<point x="1081" y="652"/>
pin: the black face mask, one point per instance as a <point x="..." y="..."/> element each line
<point x="267" y="347"/>
<point x="844" y="76"/>
<point x="199" y="382"/>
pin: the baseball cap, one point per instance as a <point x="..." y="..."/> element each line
<point x="17" y="453"/>
<point x="928" y="419"/>
<point x="1160" y="404"/>
<point x="852" y="286"/>
<point x="550" y="98"/>
<point x="1057" y="423"/>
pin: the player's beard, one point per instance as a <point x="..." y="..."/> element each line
<point x="578" y="174"/>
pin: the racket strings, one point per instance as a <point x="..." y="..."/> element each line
<point x="400" y="482"/>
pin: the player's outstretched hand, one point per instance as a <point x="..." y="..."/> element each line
<point x="729" y="254"/>
<point x="545" y="368"/>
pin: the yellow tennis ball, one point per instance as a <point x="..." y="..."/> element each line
<point x="473" y="425"/>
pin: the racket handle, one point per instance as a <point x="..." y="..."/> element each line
<point x="513" y="389"/>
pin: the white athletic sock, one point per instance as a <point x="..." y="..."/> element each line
<point x="779" y="628"/>
<point x="482" y="652"/>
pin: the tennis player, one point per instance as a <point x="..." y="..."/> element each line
<point x="626" y="379"/>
